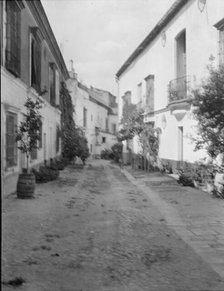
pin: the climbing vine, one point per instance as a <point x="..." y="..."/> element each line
<point x="74" y="142"/>
<point x="133" y="125"/>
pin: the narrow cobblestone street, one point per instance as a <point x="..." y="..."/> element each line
<point x="99" y="228"/>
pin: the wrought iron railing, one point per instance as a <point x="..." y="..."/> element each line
<point x="177" y="89"/>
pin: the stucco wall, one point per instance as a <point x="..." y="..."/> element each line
<point x="14" y="92"/>
<point x="201" y="43"/>
<point x="96" y="117"/>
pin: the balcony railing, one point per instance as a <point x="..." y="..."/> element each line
<point x="178" y="88"/>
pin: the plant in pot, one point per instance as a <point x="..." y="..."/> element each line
<point x="27" y="136"/>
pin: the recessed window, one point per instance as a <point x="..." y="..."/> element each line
<point x="84" y="117"/>
<point x="35" y="59"/>
<point x="103" y="139"/>
<point x="11" y="146"/>
<point x="52" y="83"/>
<point x="13" y="27"/>
<point x="220" y="27"/>
<point x="114" y="128"/>
<point x="57" y="139"/>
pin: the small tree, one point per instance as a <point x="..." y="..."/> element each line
<point x="209" y="112"/>
<point x="83" y="150"/>
<point x="117" y="151"/>
<point x="29" y="129"/>
<point x="149" y="142"/>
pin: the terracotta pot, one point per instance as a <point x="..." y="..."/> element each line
<point x="26" y="185"/>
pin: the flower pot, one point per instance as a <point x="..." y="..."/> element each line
<point x="26" y="185"/>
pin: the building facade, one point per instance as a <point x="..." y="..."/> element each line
<point x="171" y="61"/>
<point x="31" y="66"/>
<point x="95" y="111"/>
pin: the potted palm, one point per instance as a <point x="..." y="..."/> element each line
<point x="27" y="136"/>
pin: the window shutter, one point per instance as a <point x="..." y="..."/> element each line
<point x="11" y="146"/>
<point x="13" y="37"/>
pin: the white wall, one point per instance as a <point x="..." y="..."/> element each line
<point x="201" y="42"/>
<point x="96" y="117"/>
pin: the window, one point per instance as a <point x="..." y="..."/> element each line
<point x="84" y="117"/>
<point x="139" y="92"/>
<point x="107" y="124"/>
<point x="35" y="59"/>
<point x="150" y="92"/>
<point x="57" y="87"/>
<point x="220" y="27"/>
<point x="52" y="82"/>
<point x="11" y="146"/>
<point x="221" y="46"/>
<point x="91" y="148"/>
<point x="181" y="54"/>
<point x="57" y="139"/>
<point x="103" y="139"/>
<point x="41" y="134"/>
<point x="114" y="128"/>
<point x="13" y="37"/>
<point x="33" y="154"/>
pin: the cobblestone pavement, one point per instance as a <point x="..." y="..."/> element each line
<point x="194" y="215"/>
<point x="94" y="230"/>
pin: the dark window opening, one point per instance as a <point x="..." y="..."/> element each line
<point x="13" y="37"/>
<point x="52" y="80"/>
<point x="84" y="117"/>
<point x="57" y="139"/>
<point x="114" y="128"/>
<point x="107" y="124"/>
<point x="103" y="139"/>
<point x="11" y="145"/>
<point x="41" y="134"/>
<point x="35" y="55"/>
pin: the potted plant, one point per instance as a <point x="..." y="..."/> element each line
<point x="27" y="136"/>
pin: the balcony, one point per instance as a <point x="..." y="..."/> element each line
<point x="178" y="89"/>
<point x="178" y="98"/>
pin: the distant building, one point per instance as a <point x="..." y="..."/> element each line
<point x="170" y="61"/>
<point x="95" y="111"/>
<point x="31" y="65"/>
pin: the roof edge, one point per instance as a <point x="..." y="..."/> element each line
<point x="173" y="10"/>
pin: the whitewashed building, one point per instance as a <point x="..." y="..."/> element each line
<point x="31" y="65"/>
<point x="168" y="63"/>
<point x="95" y="111"/>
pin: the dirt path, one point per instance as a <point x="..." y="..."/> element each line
<point x="93" y="230"/>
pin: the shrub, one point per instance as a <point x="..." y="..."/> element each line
<point x="117" y="151"/>
<point x="185" y="178"/>
<point x="45" y="174"/>
<point x="209" y="104"/>
<point x="197" y="172"/>
<point x="106" y="154"/>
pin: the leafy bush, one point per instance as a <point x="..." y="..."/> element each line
<point x="166" y="167"/>
<point x="117" y="151"/>
<point x="198" y="172"/>
<point x="107" y="154"/>
<point x="185" y="178"/>
<point x="45" y="174"/>
<point x="209" y="104"/>
<point x="29" y="130"/>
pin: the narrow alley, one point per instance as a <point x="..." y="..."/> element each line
<point x="95" y="229"/>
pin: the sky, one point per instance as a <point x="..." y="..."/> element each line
<point x="100" y="35"/>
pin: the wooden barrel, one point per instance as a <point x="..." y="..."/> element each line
<point x="26" y="185"/>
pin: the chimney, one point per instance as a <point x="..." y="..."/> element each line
<point x="72" y="72"/>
